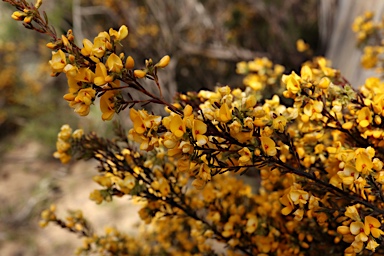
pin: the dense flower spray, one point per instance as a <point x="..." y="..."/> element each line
<point x="317" y="145"/>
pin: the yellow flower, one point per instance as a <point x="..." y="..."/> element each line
<point x="198" y="183"/>
<point x="107" y="105"/>
<point x="324" y="83"/>
<point x="348" y="175"/>
<point x="80" y="108"/>
<point x="162" y="185"/>
<point x="70" y="70"/>
<point x="250" y="102"/>
<point x="198" y="130"/>
<point x="119" y="35"/>
<point x="357" y="246"/>
<point x="84" y="75"/>
<point x="114" y="63"/>
<point x="96" y="196"/>
<point x="251" y="225"/>
<point x="372" y="245"/>
<point x="287" y="202"/>
<point x="101" y="75"/>
<point x="245" y="156"/>
<point x="293" y="82"/>
<point x="58" y="61"/>
<point x="298" y="196"/>
<point x="235" y="130"/>
<point x="138" y="124"/>
<point x="62" y="146"/>
<point x="372" y="226"/>
<point x="86" y="96"/>
<point x="99" y="46"/>
<point x="87" y="49"/>
<point x="170" y="141"/>
<point x="77" y="134"/>
<point x="65" y="132"/>
<point x="241" y="68"/>
<point x="279" y="123"/>
<point x="64" y="157"/>
<point x="364" y="117"/>
<point x="299" y="213"/>
<point x="69" y="96"/>
<point x="204" y="173"/>
<point x="18" y="15"/>
<point x="186" y="147"/>
<point x="253" y="81"/>
<point x="306" y="73"/>
<point x="352" y="213"/>
<point x="225" y="114"/>
<point x="357" y="229"/>
<point x="301" y="46"/>
<point x="268" y="146"/>
<point x="363" y="162"/>
<point x="177" y="126"/>
<point x="313" y="107"/>
<point x="183" y="164"/>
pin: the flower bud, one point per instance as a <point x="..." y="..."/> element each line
<point x="139" y="73"/>
<point x="51" y="45"/>
<point x="129" y="63"/>
<point x="18" y="15"/>
<point x="28" y="19"/>
<point x="38" y="3"/>
<point x="163" y="62"/>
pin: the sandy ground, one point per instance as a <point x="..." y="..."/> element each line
<point x="29" y="183"/>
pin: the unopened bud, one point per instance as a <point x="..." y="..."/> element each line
<point x="71" y="58"/>
<point x="129" y="63"/>
<point x="28" y="19"/>
<point x="65" y="41"/>
<point x="51" y="45"/>
<point x="139" y="73"/>
<point x="38" y="3"/>
<point x="163" y="62"/>
<point x="70" y="35"/>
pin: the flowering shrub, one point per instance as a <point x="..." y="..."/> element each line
<point x="317" y="145"/>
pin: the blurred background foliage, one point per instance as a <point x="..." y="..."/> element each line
<point x="205" y="39"/>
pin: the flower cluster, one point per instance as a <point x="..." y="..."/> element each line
<point x="64" y="140"/>
<point x="356" y="231"/>
<point x="261" y="74"/>
<point x="369" y="35"/>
